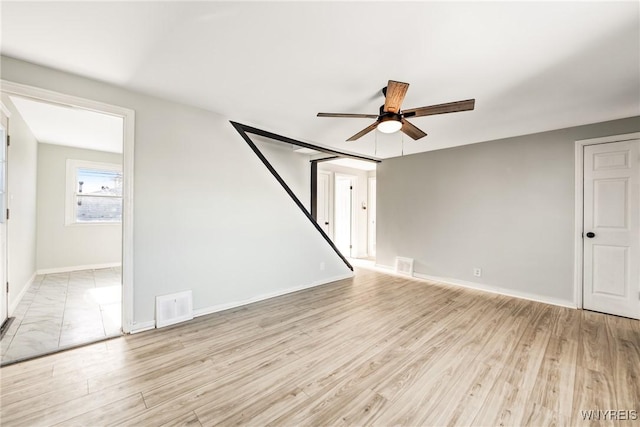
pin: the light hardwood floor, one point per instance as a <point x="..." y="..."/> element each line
<point x="373" y="350"/>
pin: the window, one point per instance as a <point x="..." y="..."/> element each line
<point x="94" y="193"/>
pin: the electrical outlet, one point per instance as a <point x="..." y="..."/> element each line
<point x="477" y="272"/>
<point x="322" y="266"/>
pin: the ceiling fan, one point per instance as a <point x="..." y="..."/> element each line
<point x="392" y="118"/>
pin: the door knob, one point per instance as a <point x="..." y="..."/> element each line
<point x="326" y="223"/>
<point x="591" y="235"/>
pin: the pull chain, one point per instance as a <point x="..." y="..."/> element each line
<point x="375" y="146"/>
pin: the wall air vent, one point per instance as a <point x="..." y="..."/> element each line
<point x="404" y="266"/>
<point x="174" y="308"/>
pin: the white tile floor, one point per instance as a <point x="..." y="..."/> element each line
<point x="64" y="309"/>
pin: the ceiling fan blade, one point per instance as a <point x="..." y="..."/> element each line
<point x="396" y="92"/>
<point x="449" y="107"/>
<point x="364" y="131"/>
<point x="412" y="130"/>
<point x="349" y="116"/>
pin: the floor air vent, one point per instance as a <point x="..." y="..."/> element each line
<point x="174" y="308"/>
<point x="404" y="266"/>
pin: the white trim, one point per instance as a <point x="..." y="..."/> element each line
<point x="612" y="138"/>
<point x="5" y="110"/>
<point x="497" y="290"/>
<point x="579" y="205"/>
<point x="387" y="269"/>
<point x="78" y="268"/>
<point x="151" y="324"/>
<point x="577" y="227"/>
<point x="128" y="116"/>
<point x="226" y="306"/>
<point x="479" y="287"/>
<point x="4" y="203"/>
<point x="142" y="327"/>
<point x="25" y="288"/>
<point x="53" y="97"/>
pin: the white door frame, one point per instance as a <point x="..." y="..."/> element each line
<point x="4" y="264"/>
<point x="579" y="206"/>
<point x="128" y="117"/>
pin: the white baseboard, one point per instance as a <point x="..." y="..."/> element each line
<point x="25" y="288"/>
<point x="78" y="268"/>
<point x="227" y="306"/>
<point x="142" y="326"/>
<point x="482" y="287"/>
<point x="498" y="290"/>
<point x="151" y="324"/>
<point x="388" y="269"/>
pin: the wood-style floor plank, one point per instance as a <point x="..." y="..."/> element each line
<point x="372" y="350"/>
<point x="14" y="403"/>
<point x="555" y="380"/>
<point x="109" y="413"/>
<point x="190" y="419"/>
<point x="626" y="362"/>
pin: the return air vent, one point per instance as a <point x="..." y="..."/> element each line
<point x="174" y="308"/>
<point x="404" y="266"/>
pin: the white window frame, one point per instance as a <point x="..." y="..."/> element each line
<point x="70" y="205"/>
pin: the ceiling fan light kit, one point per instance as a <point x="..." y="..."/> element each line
<point x="389" y="124"/>
<point x="392" y="119"/>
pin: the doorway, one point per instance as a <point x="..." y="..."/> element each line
<point x="344" y="185"/>
<point x="349" y="204"/>
<point x="4" y="302"/>
<point x="610" y="224"/>
<point x="95" y="196"/>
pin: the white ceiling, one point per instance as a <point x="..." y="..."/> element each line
<point x="531" y="66"/>
<point x="73" y="127"/>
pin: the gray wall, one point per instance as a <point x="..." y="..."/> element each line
<point x="208" y="216"/>
<point x="21" y="181"/>
<point x="506" y="206"/>
<point x="59" y="245"/>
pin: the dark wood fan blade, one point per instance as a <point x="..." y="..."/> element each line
<point x="349" y="116"/>
<point x="364" y="131"/>
<point x="411" y="130"/>
<point x="396" y="92"/>
<point x="449" y="107"/>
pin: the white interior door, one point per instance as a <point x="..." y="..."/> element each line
<point x="611" y="244"/>
<point x="372" y="218"/>
<point x="324" y="203"/>
<point x="4" y="306"/>
<point x="343" y="214"/>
